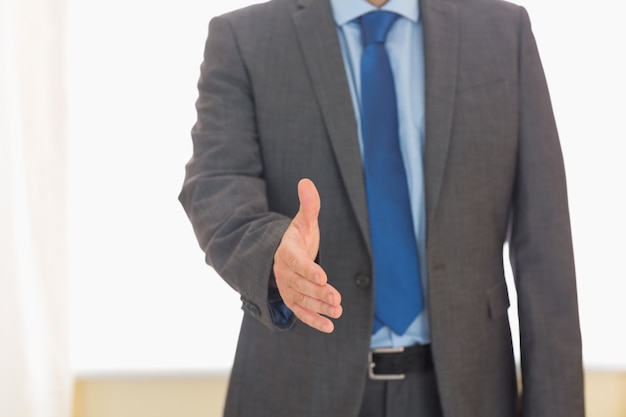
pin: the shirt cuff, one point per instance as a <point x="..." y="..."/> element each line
<point x="282" y="316"/>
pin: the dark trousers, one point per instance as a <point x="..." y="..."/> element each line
<point x="414" y="396"/>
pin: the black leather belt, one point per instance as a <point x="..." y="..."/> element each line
<point x="395" y="363"/>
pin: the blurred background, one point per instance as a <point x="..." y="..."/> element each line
<point x="106" y="305"/>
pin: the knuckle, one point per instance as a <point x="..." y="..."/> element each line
<point x="319" y="292"/>
<point x="301" y="285"/>
<point x="301" y="299"/>
<point x="292" y="261"/>
<point x="292" y="281"/>
<point x="279" y="273"/>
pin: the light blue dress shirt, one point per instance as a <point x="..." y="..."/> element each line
<point x="406" y="52"/>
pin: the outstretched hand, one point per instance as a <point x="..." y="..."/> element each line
<point x="302" y="283"/>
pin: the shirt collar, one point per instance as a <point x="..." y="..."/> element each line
<point x="345" y="11"/>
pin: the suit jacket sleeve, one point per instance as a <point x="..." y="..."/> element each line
<point x="224" y="194"/>
<point x="542" y="255"/>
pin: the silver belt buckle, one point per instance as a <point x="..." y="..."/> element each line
<point x="371" y="365"/>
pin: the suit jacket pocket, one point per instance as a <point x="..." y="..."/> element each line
<point x="498" y="300"/>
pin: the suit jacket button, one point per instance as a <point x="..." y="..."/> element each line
<point x="363" y="281"/>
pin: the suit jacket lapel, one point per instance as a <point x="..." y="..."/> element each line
<point x="317" y="34"/>
<point x="441" y="55"/>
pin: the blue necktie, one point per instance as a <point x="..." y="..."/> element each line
<point x="398" y="292"/>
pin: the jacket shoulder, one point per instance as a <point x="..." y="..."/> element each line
<point x="260" y="11"/>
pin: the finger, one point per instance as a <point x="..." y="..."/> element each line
<point x="315" y="305"/>
<point x="309" y="202"/>
<point x="326" y="299"/>
<point x="297" y="261"/>
<point x="321" y="299"/>
<point x="314" y="320"/>
<point x="314" y="288"/>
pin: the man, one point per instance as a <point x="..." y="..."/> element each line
<point x="285" y="105"/>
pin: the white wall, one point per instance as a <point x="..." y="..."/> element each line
<point x="142" y="298"/>
<point x="582" y="47"/>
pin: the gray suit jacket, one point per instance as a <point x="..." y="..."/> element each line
<point x="274" y="107"/>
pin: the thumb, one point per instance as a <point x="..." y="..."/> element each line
<point x="309" y="202"/>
